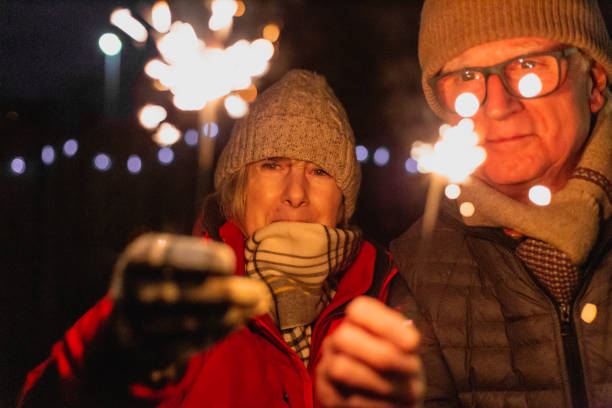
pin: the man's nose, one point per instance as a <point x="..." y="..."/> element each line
<point x="295" y="192"/>
<point x="500" y="104"/>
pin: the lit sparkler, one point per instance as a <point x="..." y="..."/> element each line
<point x="198" y="75"/>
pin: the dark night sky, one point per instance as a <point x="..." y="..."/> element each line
<point x="62" y="226"/>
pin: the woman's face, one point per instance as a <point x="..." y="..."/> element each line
<point x="281" y="189"/>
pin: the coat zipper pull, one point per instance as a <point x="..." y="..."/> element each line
<point x="565" y="313"/>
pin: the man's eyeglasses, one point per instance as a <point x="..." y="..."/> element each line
<point x="526" y="76"/>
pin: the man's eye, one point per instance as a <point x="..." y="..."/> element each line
<point x="468" y="75"/>
<point x="527" y="64"/>
<point x="321" y="172"/>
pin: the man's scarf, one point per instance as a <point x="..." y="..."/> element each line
<point x="562" y="234"/>
<point x="296" y="260"/>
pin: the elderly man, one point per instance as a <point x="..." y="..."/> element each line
<point x="513" y="303"/>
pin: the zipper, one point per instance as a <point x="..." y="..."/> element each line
<point x="573" y="362"/>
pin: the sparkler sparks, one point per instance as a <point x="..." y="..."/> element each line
<point x="195" y="73"/>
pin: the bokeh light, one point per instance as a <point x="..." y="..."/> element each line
<point x="48" y="154"/>
<point x="452" y="191"/>
<point x="161" y="18"/>
<point x="362" y="153"/>
<point x="110" y="44"/>
<point x="467" y="209"/>
<point x="210" y="129"/>
<point x="123" y="19"/>
<point x="134" y="164"/>
<point x="466" y="105"/>
<point x="589" y="313"/>
<point x="530" y="85"/>
<point x="191" y="137"/>
<point x="165" y="155"/>
<point x="222" y="14"/>
<point x="150" y="116"/>
<point x="271" y="32"/>
<point x="411" y="166"/>
<point x="381" y="156"/>
<point x="235" y="106"/>
<point x="540" y="195"/>
<point x="102" y="162"/>
<point x="18" y="165"/>
<point x="240" y="9"/>
<point x="166" y="135"/>
<point x="70" y="147"/>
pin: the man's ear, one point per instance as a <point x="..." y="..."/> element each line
<point x="600" y="82"/>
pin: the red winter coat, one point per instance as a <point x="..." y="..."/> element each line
<point x="252" y="367"/>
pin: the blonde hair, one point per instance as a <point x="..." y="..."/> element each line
<point x="232" y="196"/>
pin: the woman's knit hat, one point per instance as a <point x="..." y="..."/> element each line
<point x="450" y="27"/>
<point x="298" y="117"/>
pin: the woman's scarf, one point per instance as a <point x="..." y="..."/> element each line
<point x="296" y="260"/>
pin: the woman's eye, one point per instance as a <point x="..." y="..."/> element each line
<point x="321" y="172"/>
<point x="270" y="165"/>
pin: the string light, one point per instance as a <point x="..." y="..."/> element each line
<point x="381" y="156"/>
<point x="70" y="147"/>
<point x="18" y="165"/>
<point x="47" y="154"/>
<point x="362" y="153"/>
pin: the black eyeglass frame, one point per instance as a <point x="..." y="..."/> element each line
<point x="498" y="69"/>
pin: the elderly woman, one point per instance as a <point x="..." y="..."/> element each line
<point x="286" y="185"/>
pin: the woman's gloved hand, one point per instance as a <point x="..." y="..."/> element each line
<point x="174" y="296"/>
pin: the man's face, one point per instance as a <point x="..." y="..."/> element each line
<point x="530" y="141"/>
<point x="281" y="189"/>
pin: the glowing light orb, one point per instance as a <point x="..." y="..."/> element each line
<point x="134" y="164"/>
<point x="110" y="44"/>
<point x="150" y="116"/>
<point x="271" y="32"/>
<point x="161" y="17"/>
<point x="165" y="155"/>
<point x="70" y="147"/>
<point x="466" y="105"/>
<point x="452" y="191"/>
<point x="240" y="9"/>
<point x="381" y="156"/>
<point x="540" y="195"/>
<point x="235" y="106"/>
<point x="467" y="209"/>
<point x="189" y="101"/>
<point x="411" y="166"/>
<point x="263" y="49"/>
<point x="362" y="153"/>
<point x="191" y="137"/>
<point x="589" y="313"/>
<point x="102" y="162"/>
<point x="222" y="14"/>
<point x="156" y="69"/>
<point x="530" y="85"/>
<point x="123" y="19"/>
<point x="18" y="165"/>
<point x="166" y="134"/>
<point x="211" y="130"/>
<point x="48" y="154"/>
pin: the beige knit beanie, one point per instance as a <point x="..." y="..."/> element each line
<point x="450" y="27"/>
<point x="298" y="117"/>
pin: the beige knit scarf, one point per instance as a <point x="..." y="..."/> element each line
<point x="296" y="260"/>
<point x="571" y="222"/>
